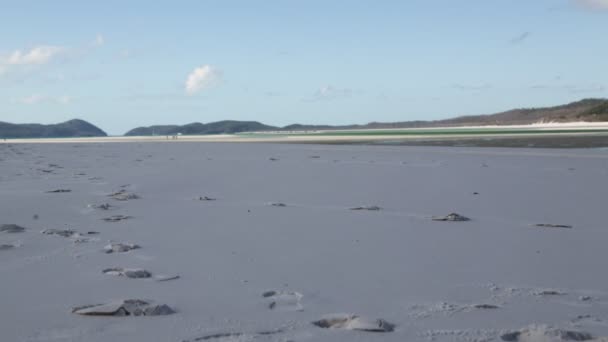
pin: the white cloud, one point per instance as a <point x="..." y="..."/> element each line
<point x="99" y="40"/>
<point x="593" y="4"/>
<point x="38" y="55"/>
<point x="38" y="99"/>
<point x="201" y="78"/>
<point x="35" y="56"/>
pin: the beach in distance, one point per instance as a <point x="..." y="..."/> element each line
<point x="192" y="241"/>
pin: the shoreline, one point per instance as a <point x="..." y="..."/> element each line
<point x="535" y="139"/>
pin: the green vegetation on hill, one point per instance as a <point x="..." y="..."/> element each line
<point x="72" y="128"/>
<point x="196" y="128"/>
<point x="596" y="113"/>
<point x="592" y="110"/>
<point x="584" y="110"/>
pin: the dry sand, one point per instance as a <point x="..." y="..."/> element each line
<point x="392" y="274"/>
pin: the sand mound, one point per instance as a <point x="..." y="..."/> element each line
<point x="354" y="322"/>
<point x="128" y="307"/>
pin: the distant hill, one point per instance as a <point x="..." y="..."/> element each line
<point x="585" y="110"/>
<point x="72" y="128"/>
<point x="219" y="127"/>
<point x="590" y="110"/>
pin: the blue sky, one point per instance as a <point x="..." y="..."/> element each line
<point x="122" y="64"/>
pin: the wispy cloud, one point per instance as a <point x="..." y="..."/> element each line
<point x="38" y="99"/>
<point x="125" y="53"/>
<point x="272" y="93"/>
<point x="520" y="38"/>
<point x="572" y="88"/>
<point x="593" y="4"/>
<point x="98" y="41"/>
<point x="35" y="56"/>
<point x="201" y="78"/>
<point x="329" y="92"/>
<point x="471" y="87"/>
<point x="31" y="59"/>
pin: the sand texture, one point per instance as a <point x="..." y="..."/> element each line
<point x="222" y="242"/>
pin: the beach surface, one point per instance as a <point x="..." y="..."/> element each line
<point x="302" y="242"/>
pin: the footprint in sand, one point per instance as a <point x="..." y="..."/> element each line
<point x="552" y="225"/>
<point x="116" y="218"/>
<point x="548" y="292"/>
<point x="205" y="198"/>
<point x="6" y="247"/>
<point x="66" y="233"/>
<point x="134" y="273"/>
<point x="354" y="322"/>
<point x="103" y="206"/>
<point x="163" y="278"/>
<point x="485" y="306"/>
<point x="277" y="204"/>
<point x="447" y="309"/>
<point x="452" y="217"/>
<point x="120" y="247"/>
<point x="137" y="273"/>
<point x="236" y="336"/>
<point x="535" y="333"/>
<point x="11" y="228"/>
<point x="459" y="335"/>
<point x="71" y="234"/>
<point x="123" y="195"/>
<point x="127" y="307"/>
<point x="367" y="207"/>
<point x="284" y="300"/>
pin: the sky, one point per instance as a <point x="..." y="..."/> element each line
<point x="123" y="64"/>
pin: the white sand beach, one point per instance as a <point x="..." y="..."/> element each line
<point x="258" y="242"/>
